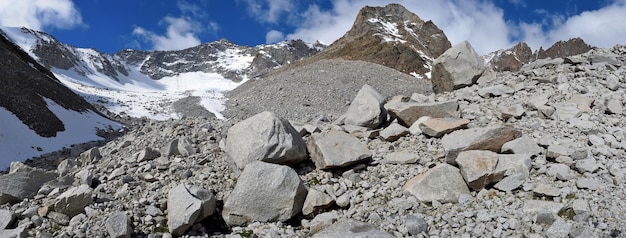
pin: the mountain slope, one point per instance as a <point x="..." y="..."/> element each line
<point x="141" y="83"/>
<point x="38" y="113"/>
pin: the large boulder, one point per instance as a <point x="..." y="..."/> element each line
<point x="333" y="149"/>
<point x="22" y="183"/>
<point x="74" y="200"/>
<point x="482" y="167"/>
<point x="366" y="109"/>
<point x="408" y="113"/>
<point x="442" y="183"/>
<point x="480" y="138"/>
<point x="186" y="205"/>
<point x="118" y="225"/>
<point x="458" y="67"/>
<point x="265" y="137"/>
<point x="264" y="192"/>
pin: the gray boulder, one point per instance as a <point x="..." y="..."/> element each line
<point x="352" y="228"/>
<point x="6" y="218"/>
<point x="23" y="183"/>
<point x="147" y="154"/>
<point x="544" y="212"/>
<point x="265" y="137"/>
<point x="74" y="200"/>
<point x="366" y="109"/>
<point x="416" y="224"/>
<point x="443" y="183"/>
<point x="515" y="168"/>
<point x="334" y="149"/>
<point x="522" y="145"/>
<point x="409" y="112"/>
<point x="477" y="168"/>
<point x="394" y="132"/>
<point x="186" y="205"/>
<point x="481" y="138"/>
<point x="118" y="225"/>
<point x="179" y="146"/>
<point x="315" y="201"/>
<point x="264" y="192"/>
<point x="458" y="67"/>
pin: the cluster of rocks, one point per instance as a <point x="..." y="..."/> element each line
<point x="531" y="153"/>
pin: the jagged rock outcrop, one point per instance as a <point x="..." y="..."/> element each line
<point x="562" y="49"/>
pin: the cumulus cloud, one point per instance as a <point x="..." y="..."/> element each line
<point x="269" y="11"/>
<point x="274" y="36"/>
<point x="40" y="14"/>
<point x="181" y="32"/>
<point x="482" y="23"/>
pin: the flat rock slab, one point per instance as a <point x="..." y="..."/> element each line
<point x="495" y="91"/>
<point x="352" y="228"/>
<point x="481" y="138"/>
<point x="409" y="112"/>
<point x="443" y="183"/>
<point x="265" y="192"/>
<point x="401" y="157"/>
<point x="522" y="145"/>
<point x="265" y="137"/>
<point x="437" y="127"/>
<point x="335" y="149"/>
<point x="22" y="184"/>
<point x="394" y="132"/>
<point x="74" y="200"/>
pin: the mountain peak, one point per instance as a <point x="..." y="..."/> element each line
<point x="392" y="36"/>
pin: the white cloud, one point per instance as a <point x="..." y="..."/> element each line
<point x="274" y="36"/>
<point x="482" y="23"/>
<point x="40" y="14"/>
<point x="269" y="11"/>
<point x="180" y="34"/>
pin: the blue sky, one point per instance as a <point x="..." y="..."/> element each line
<point x="113" y="25"/>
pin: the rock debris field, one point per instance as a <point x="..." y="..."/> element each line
<point x="533" y="153"/>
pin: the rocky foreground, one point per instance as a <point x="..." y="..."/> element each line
<point x="534" y="153"/>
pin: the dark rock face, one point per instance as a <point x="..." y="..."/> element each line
<point x="512" y="59"/>
<point x="25" y="84"/>
<point x="391" y="36"/>
<point x="562" y="49"/>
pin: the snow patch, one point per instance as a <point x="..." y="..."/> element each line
<point x="390" y="31"/>
<point x="18" y="142"/>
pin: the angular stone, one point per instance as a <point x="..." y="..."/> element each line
<point x="74" y="200"/>
<point x="477" y="168"/>
<point x="186" y="205"/>
<point x="580" y="206"/>
<point x="457" y="67"/>
<point x="442" y="183"/>
<point x="566" y="111"/>
<point x="315" y="201"/>
<point x="555" y="151"/>
<point x="366" y="109"/>
<point x="118" y="225"/>
<point x="24" y="183"/>
<point x="320" y="221"/>
<point x="437" y="127"/>
<point x="546" y="190"/>
<point x="612" y="82"/>
<point x="401" y="157"/>
<point x="587" y="165"/>
<point x="584" y="102"/>
<point x="522" y="145"/>
<point x="266" y="193"/>
<point x="415" y="128"/>
<point x="179" y="146"/>
<point x="343" y="201"/>
<point x="409" y="112"/>
<point x="147" y="154"/>
<point x="416" y="224"/>
<point x="545" y="212"/>
<point x="394" y="132"/>
<point x="351" y="228"/>
<point x="516" y="169"/>
<point x="482" y="138"/>
<point x="561" y="172"/>
<point x="265" y="137"/>
<point x="614" y="106"/>
<point x="495" y="91"/>
<point x="589" y="183"/>
<point x="334" y="149"/>
<point x="560" y="228"/>
<point x="90" y="156"/>
<point x="515" y="111"/>
<point x="6" y="218"/>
